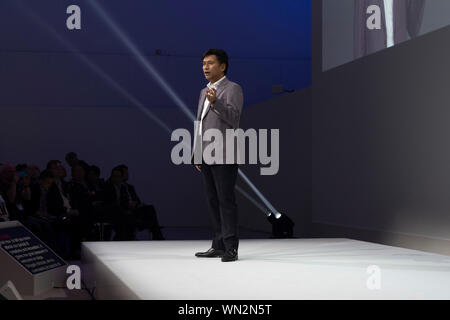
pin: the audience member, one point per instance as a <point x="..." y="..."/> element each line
<point x="81" y="199"/>
<point x="145" y="214"/>
<point x="95" y="184"/>
<point x="49" y="206"/>
<point x="116" y="204"/>
<point x="72" y="159"/>
<point x="38" y="220"/>
<point x="59" y="206"/>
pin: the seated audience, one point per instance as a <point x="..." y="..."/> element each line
<point x="59" y="206"/>
<point x="81" y="199"/>
<point x="145" y="213"/>
<point x="95" y="184"/>
<point x="58" y="212"/>
<point x="40" y="221"/>
<point x="127" y="214"/>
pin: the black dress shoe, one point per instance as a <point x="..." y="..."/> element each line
<point x="230" y="255"/>
<point x="211" y="253"/>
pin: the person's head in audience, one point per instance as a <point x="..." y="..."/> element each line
<point x="46" y="179"/>
<point x="7" y="173"/>
<point x="124" y="170"/>
<point x="21" y="170"/>
<point x="21" y="167"/>
<point x="93" y="173"/>
<point x="71" y="158"/>
<point x="24" y="177"/>
<point x="34" y="172"/>
<point x="57" y="169"/>
<point x="78" y="173"/>
<point x="116" y="176"/>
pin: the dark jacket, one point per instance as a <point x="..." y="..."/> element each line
<point x="111" y="199"/>
<point x="55" y="203"/>
<point x="80" y="198"/>
<point x="132" y="193"/>
<point x="408" y="15"/>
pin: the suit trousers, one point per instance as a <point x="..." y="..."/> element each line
<point x="219" y="181"/>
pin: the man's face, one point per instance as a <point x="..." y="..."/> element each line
<point x="92" y="176"/>
<point x="71" y="162"/>
<point x="116" y="177"/>
<point x="58" y="170"/>
<point x="77" y="173"/>
<point x="125" y="174"/>
<point x="7" y="173"/>
<point x="33" y="171"/>
<point x="212" y="68"/>
<point x="71" y="159"/>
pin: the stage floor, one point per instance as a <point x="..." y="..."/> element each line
<point x="267" y="269"/>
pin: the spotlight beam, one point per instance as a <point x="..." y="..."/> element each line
<point x="260" y="195"/>
<point x="252" y="200"/>
<point x="166" y="87"/>
<point x="142" y="60"/>
<point x="98" y="70"/>
<point x="101" y="73"/>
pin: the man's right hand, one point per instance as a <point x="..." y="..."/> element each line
<point x="198" y="168"/>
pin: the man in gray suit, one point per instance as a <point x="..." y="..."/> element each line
<point x="219" y="108"/>
<point x="400" y="21"/>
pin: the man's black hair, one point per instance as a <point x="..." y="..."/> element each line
<point x="71" y="155"/>
<point x="52" y="162"/>
<point x="121" y="168"/>
<point x="221" y="55"/>
<point x="117" y="168"/>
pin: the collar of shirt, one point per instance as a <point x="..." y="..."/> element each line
<point x="215" y="84"/>
<point x="206" y="104"/>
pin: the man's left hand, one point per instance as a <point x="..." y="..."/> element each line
<point x="211" y="95"/>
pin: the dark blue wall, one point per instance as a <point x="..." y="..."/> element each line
<point x="268" y="43"/>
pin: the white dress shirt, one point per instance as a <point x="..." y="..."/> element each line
<point x="389" y="14"/>
<point x="66" y="201"/>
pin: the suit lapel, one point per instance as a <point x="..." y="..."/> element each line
<point x="220" y="89"/>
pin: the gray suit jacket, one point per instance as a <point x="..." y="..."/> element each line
<point x="224" y="114"/>
<point x="408" y="16"/>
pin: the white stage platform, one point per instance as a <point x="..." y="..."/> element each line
<point x="267" y="269"/>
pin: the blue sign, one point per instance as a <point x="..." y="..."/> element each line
<point x="28" y="250"/>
